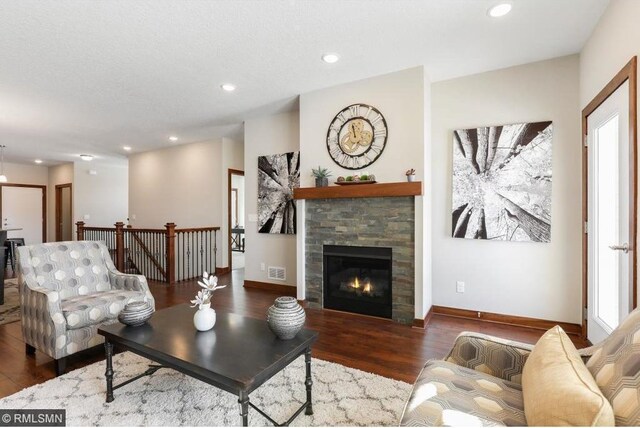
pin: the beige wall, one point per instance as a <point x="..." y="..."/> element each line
<point x="613" y="43"/>
<point x="179" y="184"/>
<point x="103" y="196"/>
<point x="401" y="97"/>
<point x="526" y="279"/>
<point x="267" y="136"/>
<point x="185" y="184"/>
<point x="26" y="174"/>
<point x="59" y="174"/>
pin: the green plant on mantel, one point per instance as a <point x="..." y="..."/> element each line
<point x="321" y="172"/>
<point x="322" y="176"/>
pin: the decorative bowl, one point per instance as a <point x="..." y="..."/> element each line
<point x="135" y="313"/>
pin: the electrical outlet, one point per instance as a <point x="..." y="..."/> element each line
<point x="460" y="286"/>
<point x="262" y="267"/>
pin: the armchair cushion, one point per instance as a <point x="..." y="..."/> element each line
<point x="71" y="268"/>
<point x="447" y="394"/>
<point x="558" y="388"/>
<point x="83" y="311"/>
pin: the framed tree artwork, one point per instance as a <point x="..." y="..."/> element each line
<point x="278" y="175"/>
<point x="502" y="179"/>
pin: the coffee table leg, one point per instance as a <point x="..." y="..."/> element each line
<point x="108" y="347"/>
<point x="243" y="399"/>
<point x="308" y="382"/>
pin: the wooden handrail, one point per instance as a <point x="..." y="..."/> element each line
<point x="198" y="229"/>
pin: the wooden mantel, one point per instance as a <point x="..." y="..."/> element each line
<point x="360" y="191"/>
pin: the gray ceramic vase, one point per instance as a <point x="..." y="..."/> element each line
<point x="135" y="313"/>
<point x="286" y="317"/>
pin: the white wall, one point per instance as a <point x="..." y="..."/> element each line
<point x="613" y="43"/>
<point x="526" y="279"/>
<point x="104" y="196"/>
<point x="267" y="136"/>
<point x="401" y="98"/>
<point x="59" y="174"/>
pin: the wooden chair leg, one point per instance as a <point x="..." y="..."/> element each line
<point x="30" y="349"/>
<point x="61" y="366"/>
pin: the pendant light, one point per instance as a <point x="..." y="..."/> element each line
<point x="3" y="178"/>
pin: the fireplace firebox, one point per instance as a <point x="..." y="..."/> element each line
<point x="357" y="279"/>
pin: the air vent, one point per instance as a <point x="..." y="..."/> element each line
<point x="278" y="273"/>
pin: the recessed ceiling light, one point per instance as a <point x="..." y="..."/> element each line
<point x="173" y="138"/>
<point x="499" y="10"/>
<point x="330" y="58"/>
<point x="38" y="161"/>
<point x="229" y="87"/>
<point x="86" y="157"/>
<point x="126" y="148"/>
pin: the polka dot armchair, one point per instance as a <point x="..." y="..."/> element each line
<point x="69" y="289"/>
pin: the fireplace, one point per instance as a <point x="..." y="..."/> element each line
<point x="357" y="279"/>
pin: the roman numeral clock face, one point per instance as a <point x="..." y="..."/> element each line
<point x="357" y="136"/>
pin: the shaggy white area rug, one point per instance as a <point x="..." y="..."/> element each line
<point x="341" y="396"/>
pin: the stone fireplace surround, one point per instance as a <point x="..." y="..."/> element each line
<point x="368" y="221"/>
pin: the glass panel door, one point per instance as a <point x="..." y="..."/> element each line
<point x="608" y="214"/>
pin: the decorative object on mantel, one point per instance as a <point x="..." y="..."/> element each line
<point x="364" y="178"/>
<point x="205" y="318"/>
<point x="135" y="314"/>
<point x="502" y="182"/>
<point x="278" y="175"/>
<point x="286" y="317"/>
<point x="411" y="174"/>
<point x="357" y="136"/>
<point x="322" y="176"/>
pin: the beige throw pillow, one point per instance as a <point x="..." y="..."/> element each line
<point x="557" y="387"/>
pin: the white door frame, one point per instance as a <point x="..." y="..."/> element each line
<point x="628" y="73"/>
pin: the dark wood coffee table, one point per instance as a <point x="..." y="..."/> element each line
<point x="238" y="355"/>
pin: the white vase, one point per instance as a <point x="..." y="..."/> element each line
<point x="205" y="318"/>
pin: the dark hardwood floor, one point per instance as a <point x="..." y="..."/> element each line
<point x="374" y="345"/>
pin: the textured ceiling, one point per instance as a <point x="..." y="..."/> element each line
<point x="92" y="76"/>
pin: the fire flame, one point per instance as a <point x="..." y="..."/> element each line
<point x="367" y="288"/>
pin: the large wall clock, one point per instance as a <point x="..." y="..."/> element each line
<point x="357" y="136"/>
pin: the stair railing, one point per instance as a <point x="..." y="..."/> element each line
<point x="167" y="255"/>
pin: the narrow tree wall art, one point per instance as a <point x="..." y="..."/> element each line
<point x="502" y="182"/>
<point x="278" y="175"/>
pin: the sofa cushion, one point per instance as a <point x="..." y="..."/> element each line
<point x="83" y="311"/>
<point x="447" y="394"/>
<point x="558" y="389"/>
<point x="616" y="367"/>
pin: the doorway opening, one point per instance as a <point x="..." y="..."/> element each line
<point x="64" y="216"/>
<point x="609" y="211"/>
<point x="236" y="222"/>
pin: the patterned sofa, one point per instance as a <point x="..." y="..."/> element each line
<point x="479" y="382"/>
<point x="67" y="290"/>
